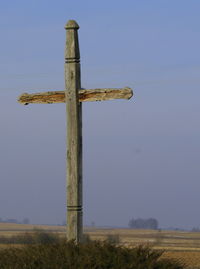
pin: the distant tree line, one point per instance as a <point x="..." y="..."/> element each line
<point x="195" y="229"/>
<point x="24" y="221"/>
<point x="139" y="223"/>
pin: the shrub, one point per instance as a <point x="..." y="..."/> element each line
<point x="91" y="255"/>
<point x="86" y="238"/>
<point x="113" y="238"/>
<point x="42" y="237"/>
<point x="36" y="237"/>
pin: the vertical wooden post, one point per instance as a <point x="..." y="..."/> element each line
<point x="74" y="133"/>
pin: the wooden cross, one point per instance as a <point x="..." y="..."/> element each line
<point x="74" y="95"/>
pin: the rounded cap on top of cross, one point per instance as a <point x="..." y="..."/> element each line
<point x="71" y="24"/>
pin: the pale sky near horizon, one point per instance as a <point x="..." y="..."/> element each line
<point x="141" y="157"/>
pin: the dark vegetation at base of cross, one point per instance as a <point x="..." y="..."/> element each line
<point x="47" y="251"/>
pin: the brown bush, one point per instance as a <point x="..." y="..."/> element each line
<point x="42" y="250"/>
<point x="60" y="254"/>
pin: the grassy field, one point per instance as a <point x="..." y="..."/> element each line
<point x="184" y="246"/>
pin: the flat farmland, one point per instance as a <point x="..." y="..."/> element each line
<point x="181" y="245"/>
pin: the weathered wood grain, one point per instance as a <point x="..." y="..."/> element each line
<point x="74" y="133"/>
<point x="73" y="96"/>
<point x="84" y="96"/>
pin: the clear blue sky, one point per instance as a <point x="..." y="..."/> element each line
<point x="141" y="157"/>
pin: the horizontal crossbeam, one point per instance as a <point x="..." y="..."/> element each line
<point x="84" y="95"/>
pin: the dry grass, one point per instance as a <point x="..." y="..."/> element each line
<point x="12" y="227"/>
<point x="170" y="240"/>
<point x="184" y="246"/>
<point x="191" y="259"/>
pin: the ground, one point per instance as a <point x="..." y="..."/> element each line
<point x="181" y="245"/>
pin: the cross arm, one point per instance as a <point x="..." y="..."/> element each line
<point x="84" y="95"/>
